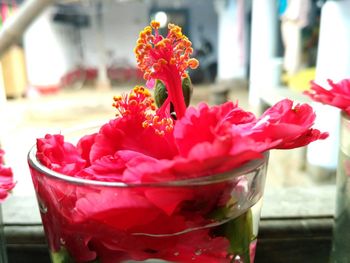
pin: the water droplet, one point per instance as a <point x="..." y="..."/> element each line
<point x="198" y="252"/>
<point x="176" y="253"/>
<point x="62" y="241"/>
<point x="237" y="259"/>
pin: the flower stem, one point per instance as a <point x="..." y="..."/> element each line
<point x="240" y="233"/>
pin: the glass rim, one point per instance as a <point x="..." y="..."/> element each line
<point x="246" y="168"/>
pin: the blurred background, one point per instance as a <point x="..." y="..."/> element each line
<point x="62" y="62"/>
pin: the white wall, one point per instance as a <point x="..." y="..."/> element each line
<point x="201" y="13"/>
<point x="50" y="50"/>
<point x="124" y="20"/>
<point x="229" y="57"/>
<point x="332" y="63"/>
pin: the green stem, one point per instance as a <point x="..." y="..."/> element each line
<point x="62" y="256"/>
<point x="240" y="233"/>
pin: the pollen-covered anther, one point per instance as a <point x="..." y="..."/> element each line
<point x="145" y="124"/>
<point x="142" y="36"/>
<point x="117" y="98"/>
<point x="141" y="40"/>
<point x="159" y="132"/>
<point x="155" y="119"/>
<point x="187" y="43"/>
<point x="161" y="126"/>
<point x="155" y="24"/>
<point x="162" y="61"/>
<point x="147" y="30"/>
<point x="147" y="75"/>
<point x="142" y="90"/>
<point x="175" y="31"/>
<point x="138" y="101"/>
<point x="147" y="47"/>
<point x="160" y="45"/>
<point x="193" y="63"/>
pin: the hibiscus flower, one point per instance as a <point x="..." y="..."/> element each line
<point x="337" y="95"/>
<point x="141" y="186"/>
<point x="6" y="178"/>
<point x="286" y="126"/>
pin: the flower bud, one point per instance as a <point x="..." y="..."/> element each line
<point x="187" y="90"/>
<point x="161" y="93"/>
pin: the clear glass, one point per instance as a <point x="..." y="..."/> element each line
<point x="341" y="234"/>
<point x="208" y="219"/>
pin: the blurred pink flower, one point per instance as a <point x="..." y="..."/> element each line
<point x="287" y="126"/>
<point x="6" y="178"/>
<point x="338" y="95"/>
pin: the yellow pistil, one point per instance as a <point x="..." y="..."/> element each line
<point x="166" y="59"/>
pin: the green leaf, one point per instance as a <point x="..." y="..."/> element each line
<point x="160" y="93"/>
<point x="187" y="90"/>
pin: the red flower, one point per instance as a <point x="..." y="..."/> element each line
<point x="6" y="178"/>
<point x="141" y="217"/>
<point x="84" y="147"/>
<point x="338" y="95"/>
<point x="58" y="155"/>
<point x="286" y="126"/>
<point x="207" y="143"/>
<point x="143" y="146"/>
<point x="139" y="128"/>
